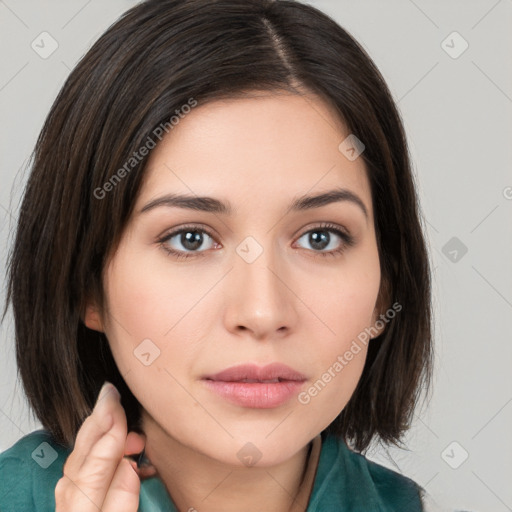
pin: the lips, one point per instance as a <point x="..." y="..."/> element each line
<point x="256" y="387"/>
<point x="275" y="372"/>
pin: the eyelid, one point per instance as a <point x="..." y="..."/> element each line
<point x="191" y="227"/>
<point x="328" y="226"/>
<point x="167" y="235"/>
<point x="347" y="238"/>
<point x="202" y="227"/>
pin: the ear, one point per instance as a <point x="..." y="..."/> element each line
<point x="92" y="317"/>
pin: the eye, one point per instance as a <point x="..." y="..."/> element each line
<point x="190" y="241"/>
<point x="330" y="237"/>
<point x="187" y="239"/>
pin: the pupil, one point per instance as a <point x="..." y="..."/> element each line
<point x="319" y="241"/>
<point x="191" y="240"/>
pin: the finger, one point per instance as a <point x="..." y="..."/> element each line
<point x="93" y="428"/>
<point x="108" y="450"/>
<point x="145" y="472"/>
<point x="134" y="443"/>
<point x="123" y="493"/>
<point x="88" y="482"/>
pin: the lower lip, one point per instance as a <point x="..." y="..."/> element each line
<point x="254" y="394"/>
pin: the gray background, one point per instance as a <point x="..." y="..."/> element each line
<point x="457" y="114"/>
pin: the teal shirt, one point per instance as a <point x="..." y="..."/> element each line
<point x="345" y="481"/>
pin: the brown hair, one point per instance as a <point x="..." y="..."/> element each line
<point x="148" y="64"/>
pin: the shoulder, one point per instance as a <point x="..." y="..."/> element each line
<point x="390" y="484"/>
<point x="29" y="472"/>
<point x="342" y="470"/>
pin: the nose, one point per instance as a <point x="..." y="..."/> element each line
<point x="260" y="299"/>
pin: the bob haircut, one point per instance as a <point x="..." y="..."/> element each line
<point x="140" y="72"/>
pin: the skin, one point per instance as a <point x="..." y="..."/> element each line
<point x="214" y="310"/>
<point x="95" y="476"/>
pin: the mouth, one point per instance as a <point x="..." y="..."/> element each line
<point x="256" y="387"/>
<point x="254" y="381"/>
<point x="251" y="373"/>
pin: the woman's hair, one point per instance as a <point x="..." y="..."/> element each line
<point x="159" y="57"/>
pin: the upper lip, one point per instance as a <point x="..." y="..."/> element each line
<point x="272" y="372"/>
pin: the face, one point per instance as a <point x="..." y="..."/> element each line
<point x="255" y="277"/>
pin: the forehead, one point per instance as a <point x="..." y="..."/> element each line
<point x="269" y="145"/>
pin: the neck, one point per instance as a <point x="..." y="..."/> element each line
<point x="197" y="482"/>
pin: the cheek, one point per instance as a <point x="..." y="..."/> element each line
<point x="345" y="306"/>
<point x="148" y="301"/>
<point x="153" y="328"/>
<point x="346" y="300"/>
<point x="333" y="384"/>
<point x="340" y="357"/>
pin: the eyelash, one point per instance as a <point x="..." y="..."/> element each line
<point x="347" y="240"/>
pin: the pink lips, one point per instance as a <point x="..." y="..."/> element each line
<point x="249" y="385"/>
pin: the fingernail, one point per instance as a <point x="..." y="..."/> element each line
<point x="103" y="389"/>
<point x="116" y="393"/>
<point x="106" y="389"/>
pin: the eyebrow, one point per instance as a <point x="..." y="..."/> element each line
<point x="212" y="205"/>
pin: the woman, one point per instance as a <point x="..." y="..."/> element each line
<point x="221" y="221"/>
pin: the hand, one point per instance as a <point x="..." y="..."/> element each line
<point x="96" y="476"/>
